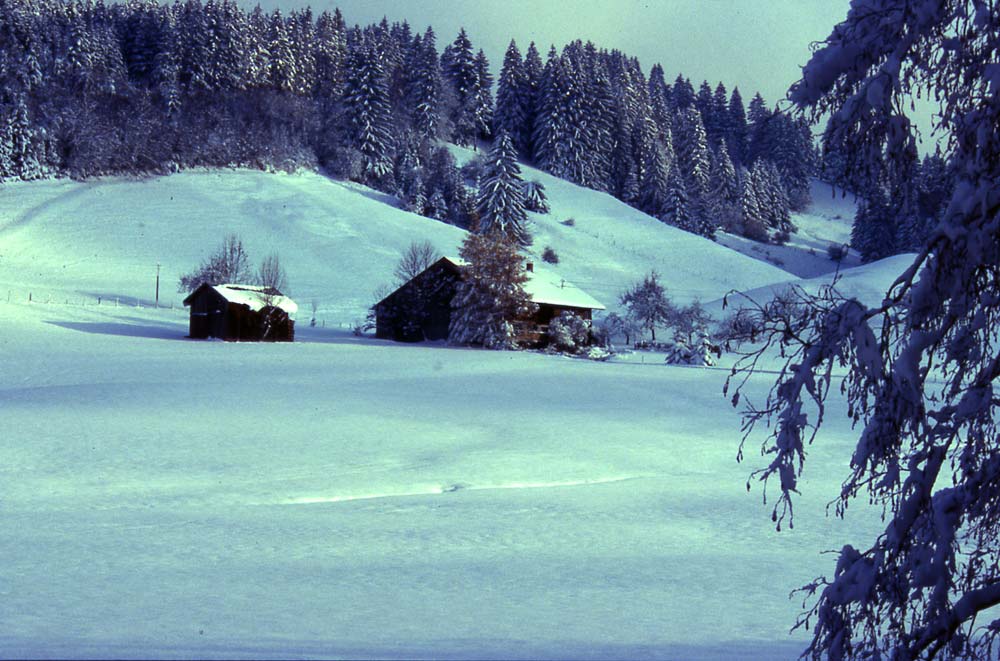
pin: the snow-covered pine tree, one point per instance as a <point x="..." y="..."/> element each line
<point x="659" y="100"/>
<point x="677" y="207"/>
<point x="757" y="112"/>
<point x="7" y="169"/>
<point x="552" y="124"/>
<point x="754" y="225"/>
<point x="693" y="160"/>
<point x="682" y="93"/>
<point x="720" y="128"/>
<point x="724" y="190"/>
<point x="599" y="110"/>
<point x="329" y="55"/>
<point x="510" y="114"/>
<point x="736" y="138"/>
<point x="482" y="102"/>
<point x="366" y="98"/>
<point x="656" y="167"/>
<point x="282" y="65"/>
<point x="534" y="197"/>
<point x="873" y="232"/>
<point x="705" y="103"/>
<point x="500" y="202"/>
<point x="437" y="207"/>
<point x="459" y="70"/>
<point x="771" y="199"/>
<point x="532" y="81"/>
<point x="423" y="92"/>
<point x="27" y="151"/>
<point x="490" y="296"/>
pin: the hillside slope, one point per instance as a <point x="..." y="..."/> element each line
<point x="338" y="241"/>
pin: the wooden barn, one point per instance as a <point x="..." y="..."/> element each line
<point x="241" y="313"/>
<point x="421" y="308"/>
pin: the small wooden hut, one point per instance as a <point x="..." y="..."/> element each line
<point x="241" y="313"/>
<point x="421" y="308"/>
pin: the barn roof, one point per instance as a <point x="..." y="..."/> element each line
<point x="254" y="297"/>
<point x="546" y="286"/>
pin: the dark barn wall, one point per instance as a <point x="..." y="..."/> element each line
<point x="208" y="315"/>
<point x="213" y="316"/>
<point x="420" y="309"/>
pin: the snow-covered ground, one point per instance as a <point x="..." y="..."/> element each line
<point x="347" y="497"/>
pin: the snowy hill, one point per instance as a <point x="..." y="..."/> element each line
<point x="346" y="497"/>
<point x="826" y="222"/>
<point x="338" y="241"/>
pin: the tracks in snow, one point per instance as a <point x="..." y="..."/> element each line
<point x="458" y="486"/>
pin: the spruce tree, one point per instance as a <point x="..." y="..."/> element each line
<point x="369" y="114"/>
<point x="682" y="93"/>
<point x="461" y="74"/>
<point x="693" y="160"/>
<point x="736" y="136"/>
<point x="751" y="215"/>
<point x="510" y="114"/>
<point x="490" y="296"/>
<point x="724" y="190"/>
<point x="482" y="102"/>
<point x="655" y="167"/>
<point x="423" y="92"/>
<point x="677" y="209"/>
<point x="500" y="202"/>
<point x="532" y="81"/>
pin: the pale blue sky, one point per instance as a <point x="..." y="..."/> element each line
<point x="757" y="44"/>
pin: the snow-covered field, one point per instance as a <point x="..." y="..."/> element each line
<point x="347" y="497"/>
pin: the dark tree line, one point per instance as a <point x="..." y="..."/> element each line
<point x="88" y="88"/>
<point x="901" y="200"/>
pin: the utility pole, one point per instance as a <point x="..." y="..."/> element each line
<point x="157" y="284"/>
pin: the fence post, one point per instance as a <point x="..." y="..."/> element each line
<point x="29" y="297"/>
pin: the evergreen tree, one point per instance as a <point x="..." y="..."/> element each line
<point x="552" y="124"/>
<point x="490" y="296"/>
<point x="483" y="98"/>
<point x="655" y="168"/>
<point x="758" y="111"/>
<point x="369" y="113"/>
<point x="460" y="71"/>
<point x="659" y="101"/>
<point x="694" y="162"/>
<point x="705" y="103"/>
<point x="873" y="231"/>
<point x="532" y="81"/>
<point x="724" y="190"/>
<point x="683" y="93"/>
<point x="500" y="203"/>
<point x="677" y="209"/>
<point x="751" y="215"/>
<point x="510" y="115"/>
<point x="736" y="137"/>
<point x="534" y="197"/>
<point x="719" y="128"/>
<point x="423" y="94"/>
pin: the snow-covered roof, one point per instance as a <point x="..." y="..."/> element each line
<point x="546" y="286"/>
<point x="256" y="297"/>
